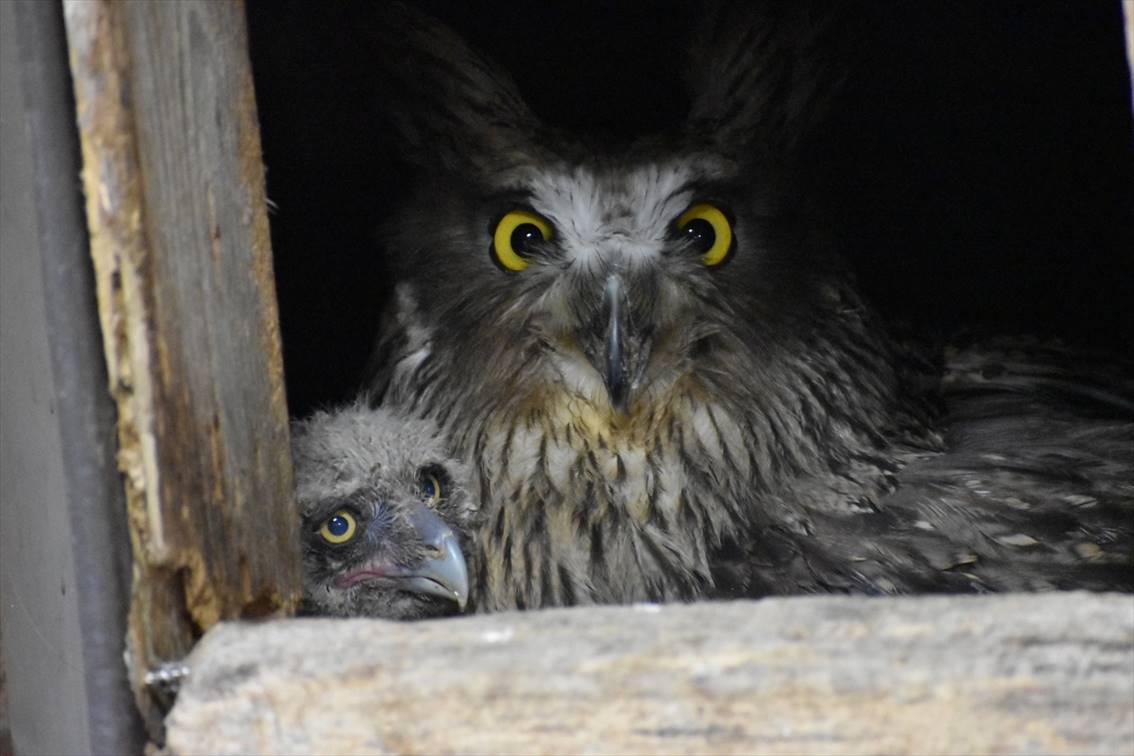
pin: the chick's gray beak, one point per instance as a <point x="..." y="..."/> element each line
<point x="444" y="572"/>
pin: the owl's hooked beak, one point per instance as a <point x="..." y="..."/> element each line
<point x="614" y="367"/>
<point x="622" y="350"/>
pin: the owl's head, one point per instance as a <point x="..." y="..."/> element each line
<point x="385" y="515"/>
<point x="543" y="262"/>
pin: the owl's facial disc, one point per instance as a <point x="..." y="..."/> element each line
<point x="614" y="269"/>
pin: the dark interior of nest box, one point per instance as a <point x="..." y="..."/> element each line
<point x="978" y="160"/>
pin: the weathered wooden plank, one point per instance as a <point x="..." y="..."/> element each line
<point x="1001" y="674"/>
<point x="179" y="236"/>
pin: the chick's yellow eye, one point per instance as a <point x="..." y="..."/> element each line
<point x="515" y="237"/>
<point x="708" y="231"/>
<point x="339" y="527"/>
<point x="431" y="489"/>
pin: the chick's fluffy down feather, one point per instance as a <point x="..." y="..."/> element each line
<point x="386" y="515"/>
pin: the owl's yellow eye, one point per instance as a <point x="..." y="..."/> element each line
<point x="708" y="231"/>
<point x="339" y="527"/>
<point x="515" y="236"/>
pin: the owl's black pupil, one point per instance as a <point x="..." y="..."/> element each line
<point x="525" y="235"/>
<point x="700" y="234"/>
<point x="337" y="525"/>
<point x="429" y="489"/>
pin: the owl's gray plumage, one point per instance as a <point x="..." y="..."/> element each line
<point x="405" y="557"/>
<point x="1032" y="489"/>
<point x="639" y="425"/>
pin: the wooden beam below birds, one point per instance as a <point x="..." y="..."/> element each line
<point x="1048" y="673"/>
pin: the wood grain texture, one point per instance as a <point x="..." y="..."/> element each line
<point x="177" y="218"/>
<point x="998" y="674"/>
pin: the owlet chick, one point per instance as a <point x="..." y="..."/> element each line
<point x="385" y="515"/>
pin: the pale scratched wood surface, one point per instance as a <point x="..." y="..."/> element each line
<point x="179" y="236"/>
<point x="1008" y="674"/>
<point x="219" y="383"/>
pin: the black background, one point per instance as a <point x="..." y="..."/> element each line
<point x="980" y="156"/>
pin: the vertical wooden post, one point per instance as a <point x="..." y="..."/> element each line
<point x="178" y="232"/>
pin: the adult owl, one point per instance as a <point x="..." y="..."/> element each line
<point x="384" y="513"/>
<point x="665" y="384"/>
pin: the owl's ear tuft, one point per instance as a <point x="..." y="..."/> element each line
<point x="451" y="107"/>
<point x="763" y="75"/>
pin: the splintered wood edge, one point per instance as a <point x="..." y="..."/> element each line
<point x="1047" y="673"/>
<point x="172" y="590"/>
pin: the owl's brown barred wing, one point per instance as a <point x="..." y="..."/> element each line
<point x="1067" y="378"/>
<point x="1038" y="480"/>
<point x="1033" y="491"/>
